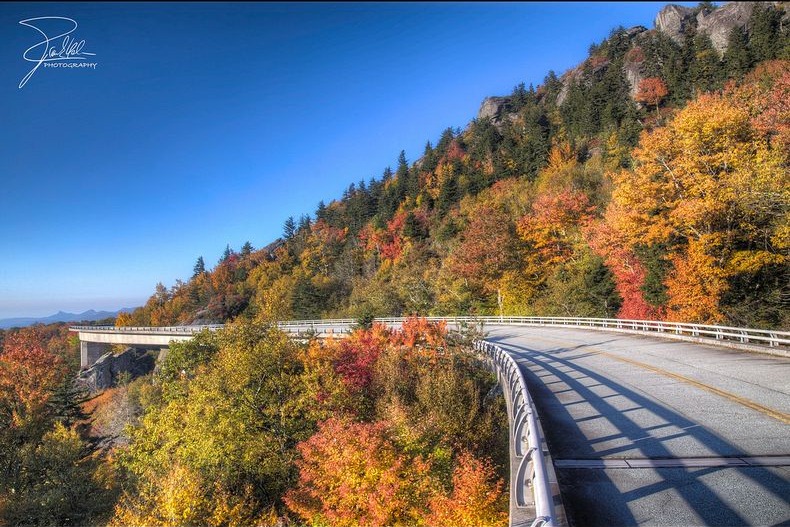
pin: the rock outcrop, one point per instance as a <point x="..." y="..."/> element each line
<point x="674" y="20"/>
<point x="719" y="23"/>
<point x="105" y="371"/>
<point x="492" y="107"/>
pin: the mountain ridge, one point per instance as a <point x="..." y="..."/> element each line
<point x="90" y="315"/>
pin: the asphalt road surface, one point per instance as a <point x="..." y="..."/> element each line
<point x="647" y="431"/>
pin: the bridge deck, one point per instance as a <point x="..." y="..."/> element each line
<point x="646" y="431"/>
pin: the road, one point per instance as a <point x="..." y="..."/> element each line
<point x="647" y="431"/>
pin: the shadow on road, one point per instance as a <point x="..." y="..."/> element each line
<point x="632" y="425"/>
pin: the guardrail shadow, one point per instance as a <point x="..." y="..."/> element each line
<point x="596" y="499"/>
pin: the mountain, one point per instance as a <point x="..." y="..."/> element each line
<point x="650" y="181"/>
<point x="61" y="316"/>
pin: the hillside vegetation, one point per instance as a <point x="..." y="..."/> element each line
<point x="649" y="182"/>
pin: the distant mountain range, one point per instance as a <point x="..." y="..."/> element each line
<point x="61" y="316"/>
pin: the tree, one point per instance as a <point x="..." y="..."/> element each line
<point x="489" y="247"/>
<point x="765" y="38"/>
<point x="289" y="228"/>
<point x="651" y="91"/>
<point x="704" y="69"/>
<point x="231" y="421"/>
<point x="477" y="499"/>
<point x="226" y="254"/>
<point x="354" y="474"/>
<point x="246" y="249"/>
<point x="738" y="57"/>
<point x="200" y="267"/>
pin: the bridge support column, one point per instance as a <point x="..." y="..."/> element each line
<point x="90" y="353"/>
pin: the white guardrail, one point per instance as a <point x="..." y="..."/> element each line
<point x="715" y="334"/>
<point x="698" y="332"/>
<point x="532" y="472"/>
<point x="533" y="467"/>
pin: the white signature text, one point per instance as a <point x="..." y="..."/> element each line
<point x="63" y="53"/>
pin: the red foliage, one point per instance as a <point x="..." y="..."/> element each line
<point x="635" y="54"/>
<point x="652" y="91"/>
<point x="629" y="273"/>
<point x="356" y="359"/>
<point x="29" y="373"/>
<point x="454" y="151"/>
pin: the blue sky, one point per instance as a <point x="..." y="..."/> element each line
<point x="208" y="124"/>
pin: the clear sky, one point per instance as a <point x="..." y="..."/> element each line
<point x="209" y="124"/>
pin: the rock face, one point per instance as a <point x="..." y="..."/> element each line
<point x="719" y="23"/>
<point x="491" y="107"/>
<point x="673" y="20"/>
<point x="633" y="74"/>
<point x="104" y="373"/>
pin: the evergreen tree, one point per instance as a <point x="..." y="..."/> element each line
<point x="704" y="69"/>
<point x="227" y="253"/>
<point x="765" y="38"/>
<point x="200" y="267"/>
<point x="246" y="249"/>
<point x="737" y="57"/>
<point x="320" y="213"/>
<point x="444" y="141"/>
<point x="304" y="223"/>
<point x="289" y="228"/>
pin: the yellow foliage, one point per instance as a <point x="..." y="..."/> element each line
<point x="696" y="283"/>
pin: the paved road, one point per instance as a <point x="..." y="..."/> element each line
<point x="646" y="431"/>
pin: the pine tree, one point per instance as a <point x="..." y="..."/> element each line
<point x="704" y="69"/>
<point x="304" y="223"/>
<point x="226" y="254"/>
<point x="200" y="267"/>
<point x="246" y="249"/>
<point x="765" y="38"/>
<point x="737" y="58"/>
<point x="289" y="228"/>
<point x="320" y="212"/>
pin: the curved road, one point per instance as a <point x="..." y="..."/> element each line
<point x="648" y="431"/>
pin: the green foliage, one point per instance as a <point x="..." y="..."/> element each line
<point x="386" y="245"/>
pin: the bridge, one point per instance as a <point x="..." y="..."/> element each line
<point x="618" y="422"/>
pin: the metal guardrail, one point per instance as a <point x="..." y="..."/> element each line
<point x="155" y="330"/>
<point x="764" y="337"/>
<point x="532" y="470"/>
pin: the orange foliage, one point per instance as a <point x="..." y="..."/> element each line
<point x="696" y="284"/>
<point x="353" y="474"/>
<point x="29" y="374"/>
<point x="488" y="248"/>
<point x="652" y="91"/>
<point x="555" y="217"/>
<point x="478" y="498"/>
<point x="418" y="332"/>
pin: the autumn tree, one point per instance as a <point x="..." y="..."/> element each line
<point x="355" y="474"/>
<point x="651" y="91"/>
<point x="477" y="499"/>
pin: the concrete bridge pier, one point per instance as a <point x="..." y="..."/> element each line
<point x="90" y="352"/>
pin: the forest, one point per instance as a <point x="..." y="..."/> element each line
<point x="576" y="198"/>
<point x="588" y="195"/>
